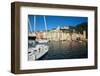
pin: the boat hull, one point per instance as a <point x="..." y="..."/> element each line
<point x="39" y="50"/>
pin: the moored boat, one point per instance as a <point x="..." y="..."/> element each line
<point x="37" y="47"/>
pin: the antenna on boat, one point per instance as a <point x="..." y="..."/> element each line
<point x="30" y="25"/>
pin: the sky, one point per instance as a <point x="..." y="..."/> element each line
<point x="53" y="21"/>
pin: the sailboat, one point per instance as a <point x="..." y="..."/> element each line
<point x="37" y="47"/>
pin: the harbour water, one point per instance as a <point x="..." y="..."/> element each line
<point x="66" y="50"/>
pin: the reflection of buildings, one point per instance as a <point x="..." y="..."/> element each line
<point x="60" y="33"/>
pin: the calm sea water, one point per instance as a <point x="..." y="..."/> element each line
<point x="66" y="50"/>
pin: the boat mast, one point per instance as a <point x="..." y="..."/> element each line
<point x="34" y="23"/>
<point x="45" y="24"/>
<point x="30" y="25"/>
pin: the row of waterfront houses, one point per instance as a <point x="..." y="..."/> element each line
<point x="58" y="34"/>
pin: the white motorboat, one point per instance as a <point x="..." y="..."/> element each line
<point x="37" y="52"/>
<point x="37" y="47"/>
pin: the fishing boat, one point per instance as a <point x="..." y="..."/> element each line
<point x="37" y="47"/>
